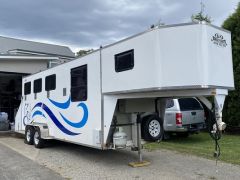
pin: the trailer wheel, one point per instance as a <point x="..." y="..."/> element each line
<point x="37" y="140"/>
<point x="152" y="128"/>
<point x="29" y="133"/>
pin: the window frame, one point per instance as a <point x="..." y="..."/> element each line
<point x="47" y="79"/>
<point x="35" y="85"/>
<point x="81" y="87"/>
<point x="30" y="88"/>
<point x="118" y="57"/>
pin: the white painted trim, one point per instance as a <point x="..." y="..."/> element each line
<point x="4" y="57"/>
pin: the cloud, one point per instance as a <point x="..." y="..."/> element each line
<point x="89" y="24"/>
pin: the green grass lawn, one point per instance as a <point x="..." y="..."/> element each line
<point x="202" y="145"/>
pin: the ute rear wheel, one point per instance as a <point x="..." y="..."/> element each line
<point x="37" y="140"/>
<point x="29" y="133"/>
<point x="152" y="128"/>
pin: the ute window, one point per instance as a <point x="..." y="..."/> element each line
<point x="27" y="88"/>
<point x="124" y="61"/>
<point x="37" y="86"/>
<point x="79" y="83"/>
<point x="188" y="104"/>
<point x="169" y="103"/>
<point x="50" y="82"/>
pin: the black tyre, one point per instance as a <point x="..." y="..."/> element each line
<point x="37" y="140"/>
<point x="29" y="133"/>
<point x="152" y="128"/>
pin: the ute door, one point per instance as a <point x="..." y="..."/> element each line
<point x="192" y="111"/>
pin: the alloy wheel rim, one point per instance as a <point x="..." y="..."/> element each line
<point x="154" y="128"/>
<point x="36" y="137"/>
<point x="28" y="135"/>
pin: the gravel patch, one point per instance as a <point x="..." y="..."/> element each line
<point x="78" y="162"/>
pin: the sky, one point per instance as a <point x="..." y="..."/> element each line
<point x="86" y="24"/>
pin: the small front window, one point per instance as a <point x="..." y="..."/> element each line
<point x="37" y="86"/>
<point x="50" y="82"/>
<point x="27" y="88"/>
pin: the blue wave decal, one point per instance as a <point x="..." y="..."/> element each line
<point x="84" y="119"/>
<point x="63" y="105"/>
<point x="54" y="119"/>
<point x="38" y="113"/>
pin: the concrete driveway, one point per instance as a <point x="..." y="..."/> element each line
<point x="77" y="162"/>
<point x="14" y="166"/>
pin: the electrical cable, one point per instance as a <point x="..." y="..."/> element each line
<point x="216" y="136"/>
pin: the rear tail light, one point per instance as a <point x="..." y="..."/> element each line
<point x="179" y="119"/>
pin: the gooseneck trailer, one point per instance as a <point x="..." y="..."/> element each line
<point x="97" y="100"/>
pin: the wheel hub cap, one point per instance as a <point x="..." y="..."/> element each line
<point x="154" y="128"/>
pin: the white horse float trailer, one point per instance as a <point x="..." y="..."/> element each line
<point x="97" y="100"/>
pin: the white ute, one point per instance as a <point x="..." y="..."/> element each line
<point x="97" y="100"/>
<point x="183" y="116"/>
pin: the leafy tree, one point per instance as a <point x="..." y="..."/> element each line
<point x="200" y="16"/>
<point x="83" y="52"/>
<point x="231" y="112"/>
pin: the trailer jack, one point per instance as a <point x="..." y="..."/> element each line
<point x="215" y="123"/>
<point x="140" y="162"/>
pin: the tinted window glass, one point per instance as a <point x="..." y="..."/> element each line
<point x="50" y="82"/>
<point x="27" y="88"/>
<point x="79" y="83"/>
<point x="37" y="86"/>
<point x="169" y="103"/>
<point x="188" y="104"/>
<point x="124" y="61"/>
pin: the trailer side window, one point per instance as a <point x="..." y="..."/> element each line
<point x="37" y="86"/>
<point x="79" y="83"/>
<point x="124" y="61"/>
<point x="27" y="88"/>
<point x="50" y="82"/>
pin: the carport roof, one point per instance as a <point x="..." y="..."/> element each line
<point x="23" y="57"/>
<point x="8" y="44"/>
